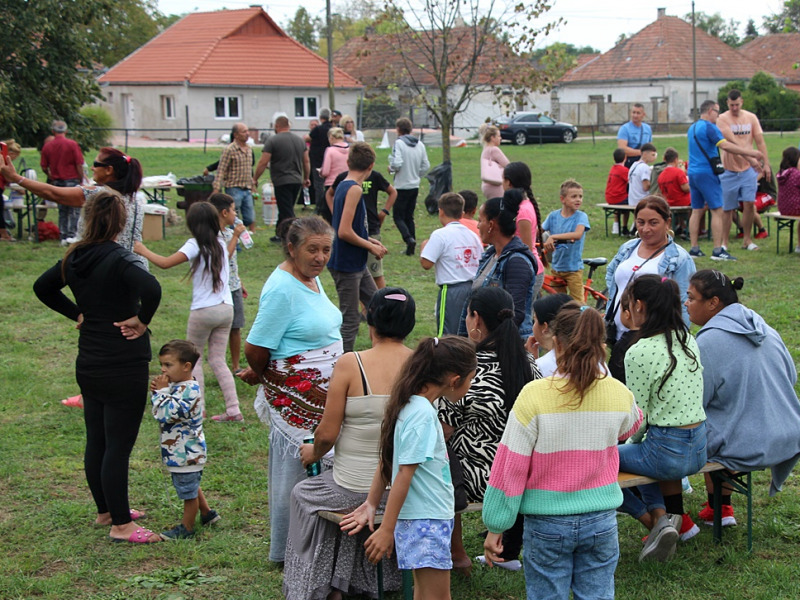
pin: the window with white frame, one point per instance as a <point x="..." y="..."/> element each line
<point x="167" y="107"/>
<point x="227" y="107"/>
<point x="305" y="106"/>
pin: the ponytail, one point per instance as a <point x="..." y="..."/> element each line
<point x="580" y="332"/>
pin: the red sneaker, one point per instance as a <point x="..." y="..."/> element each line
<point x="707" y="515"/>
<point x="688" y="529"/>
<point x="740" y="235"/>
<point x="762" y="234"/>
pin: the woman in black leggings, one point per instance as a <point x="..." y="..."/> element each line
<point x="115" y="299"/>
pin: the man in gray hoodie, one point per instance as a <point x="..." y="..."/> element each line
<point x="408" y="162"/>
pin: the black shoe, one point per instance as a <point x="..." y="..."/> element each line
<point x="411" y="243"/>
<point x="275" y="239"/>
<point x="625" y="231"/>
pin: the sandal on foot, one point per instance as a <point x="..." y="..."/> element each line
<point x="137" y="514"/>
<point x="142" y="535"/>
<point x="751" y="246"/>
<point x="73" y="401"/>
<point x="227" y="417"/>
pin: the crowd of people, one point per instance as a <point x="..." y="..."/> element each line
<point x="514" y="403"/>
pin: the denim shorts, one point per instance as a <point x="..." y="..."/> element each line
<point x="187" y="484"/>
<point x="238" y="309"/>
<point x="423" y="543"/>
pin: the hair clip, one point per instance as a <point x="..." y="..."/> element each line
<point x="584" y="307"/>
<point x="398" y="297"/>
<point x="663" y="279"/>
<point x="127" y="158"/>
<point x="436" y="342"/>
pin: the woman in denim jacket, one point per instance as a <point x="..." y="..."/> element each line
<point x="654" y="252"/>
<point x="507" y="263"/>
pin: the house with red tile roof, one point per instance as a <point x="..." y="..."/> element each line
<point x="653" y="67"/>
<point x="778" y="53"/>
<point x="376" y="62"/>
<point x="210" y="70"/>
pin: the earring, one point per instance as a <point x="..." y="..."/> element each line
<point x="469" y="335"/>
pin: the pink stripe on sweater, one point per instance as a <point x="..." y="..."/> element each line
<point x="567" y="471"/>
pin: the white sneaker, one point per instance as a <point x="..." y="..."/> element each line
<point x="615" y="229"/>
<point x="509" y="565"/>
<point x="797" y="250"/>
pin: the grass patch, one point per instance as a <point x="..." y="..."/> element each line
<point x="54" y="551"/>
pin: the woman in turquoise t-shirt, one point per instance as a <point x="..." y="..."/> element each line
<point x="291" y="349"/>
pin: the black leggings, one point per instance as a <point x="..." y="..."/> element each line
<point x="112" y="408"/>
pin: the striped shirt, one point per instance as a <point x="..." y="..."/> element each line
<point x="557" y="458"/>
<point x="235" y="167"/>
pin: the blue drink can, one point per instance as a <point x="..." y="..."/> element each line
<point x="314" y="468"/>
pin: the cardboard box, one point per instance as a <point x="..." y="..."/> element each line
<point x="153" y="228"/>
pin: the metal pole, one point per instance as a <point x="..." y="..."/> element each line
<point x="187" y="122"/>
<point x="694" y="68"/>
<point x="331" y="99"/>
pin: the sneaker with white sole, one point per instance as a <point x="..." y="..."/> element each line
<point x="508" y="565"/>
<point x="687" y="528"/>
<point x="722" y="254"/>
<point x="707" y="515"/>
<point x="696" y="253"/>
<point x="210" y="518"/>
<point x="662" y="541"/>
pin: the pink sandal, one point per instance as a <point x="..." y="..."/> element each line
<point x="140" y="536"/>
<point x="73" y="401"/>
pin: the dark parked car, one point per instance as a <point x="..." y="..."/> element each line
<point x="529" y="127"/>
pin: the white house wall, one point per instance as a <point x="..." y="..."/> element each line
<point x="257" y="108"/>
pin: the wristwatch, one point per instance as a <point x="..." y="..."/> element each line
<point x="385" y="211"/>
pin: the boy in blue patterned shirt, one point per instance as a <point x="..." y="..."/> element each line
<point x="568" y="226"/>
<point x="178" y="407"/>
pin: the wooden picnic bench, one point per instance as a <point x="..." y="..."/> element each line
<point x="738" y="482"/>
<point x="783" y="222"/>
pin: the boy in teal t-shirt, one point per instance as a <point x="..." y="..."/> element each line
<point x="567" y="228"/>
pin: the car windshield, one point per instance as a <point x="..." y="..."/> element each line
<point x="502" y="119"/>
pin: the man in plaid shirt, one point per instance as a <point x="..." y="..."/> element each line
<point x="235" y="174"/>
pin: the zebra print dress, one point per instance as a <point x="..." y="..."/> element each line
<point x="479" y="420"/>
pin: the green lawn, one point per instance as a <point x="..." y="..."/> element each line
<point x="52" y="550"/>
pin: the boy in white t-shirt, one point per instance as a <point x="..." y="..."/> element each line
<point x="454" y="251"/>
<point x="639" y="175"/>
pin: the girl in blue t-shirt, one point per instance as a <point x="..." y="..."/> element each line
<point x="419" y="511"/>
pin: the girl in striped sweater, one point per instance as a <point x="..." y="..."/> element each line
<point x="557" y="464"/>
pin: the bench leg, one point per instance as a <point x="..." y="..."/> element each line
<point x="740" y="483"/>
<point x="408" y="585"/>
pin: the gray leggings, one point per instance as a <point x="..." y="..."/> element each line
<point x="213" y="325"/>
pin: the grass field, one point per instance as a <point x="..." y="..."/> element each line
<point x="52" y="550"/>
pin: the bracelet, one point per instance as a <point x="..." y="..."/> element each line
<point x="20" y="180"/>
<point x="385" y="211"/>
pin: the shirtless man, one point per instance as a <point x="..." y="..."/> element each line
<point x="740" y="179"/>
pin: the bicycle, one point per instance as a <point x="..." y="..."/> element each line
<point x="551" y="282"/>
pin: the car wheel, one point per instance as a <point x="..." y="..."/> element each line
<point x="520" y="138"/>
<point x="567" y="136"/>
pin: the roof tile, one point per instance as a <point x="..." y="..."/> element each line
<point x="778" y="52"/>
<point x="228" y="47"/>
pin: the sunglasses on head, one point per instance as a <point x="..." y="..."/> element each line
<point x="97" y="164"/>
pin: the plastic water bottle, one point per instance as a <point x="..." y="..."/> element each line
<point x="244" y="237"/>
<point x="269" y="209"/>
<point x="315" y="468"/>
<point x="306" y="197"/>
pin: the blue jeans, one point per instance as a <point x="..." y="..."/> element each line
<point x="668" y="454"/>
<point x="578" y="552"/>
<point x="243" y="198"/>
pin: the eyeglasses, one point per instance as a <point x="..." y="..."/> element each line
<point x="97" y="164"/>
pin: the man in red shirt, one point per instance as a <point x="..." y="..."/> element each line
<point x="62" y="162"/>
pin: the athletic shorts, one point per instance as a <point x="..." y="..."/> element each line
<point x="238" y="309"/>
<point x="738" y="186"/>
<point x="705" y="191"/>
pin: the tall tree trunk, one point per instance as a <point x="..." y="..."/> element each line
<point x="446" y="121"/>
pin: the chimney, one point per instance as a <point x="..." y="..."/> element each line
<point x="662" y="12"/>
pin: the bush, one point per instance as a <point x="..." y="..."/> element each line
<point x="96" y="132"/>
<point x="378" y="112"/>
<point x="777" y="108"/>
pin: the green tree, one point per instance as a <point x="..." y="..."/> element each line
<point x="750" y="31"/>
<point x="449" y="51"/>
<point x="777" y="108"/>
<point x="303" y="28"/>
<point x="114" y="34"/>
<point x="717" y="26"/>
<point x="558" y="58"/>
<point x="45" y="66"/>
<point x="786" y="21"/>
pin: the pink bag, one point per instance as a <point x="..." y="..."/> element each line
<point x="491" y="172"/>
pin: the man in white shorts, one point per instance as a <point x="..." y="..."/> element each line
<point x="740" y="179"/>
